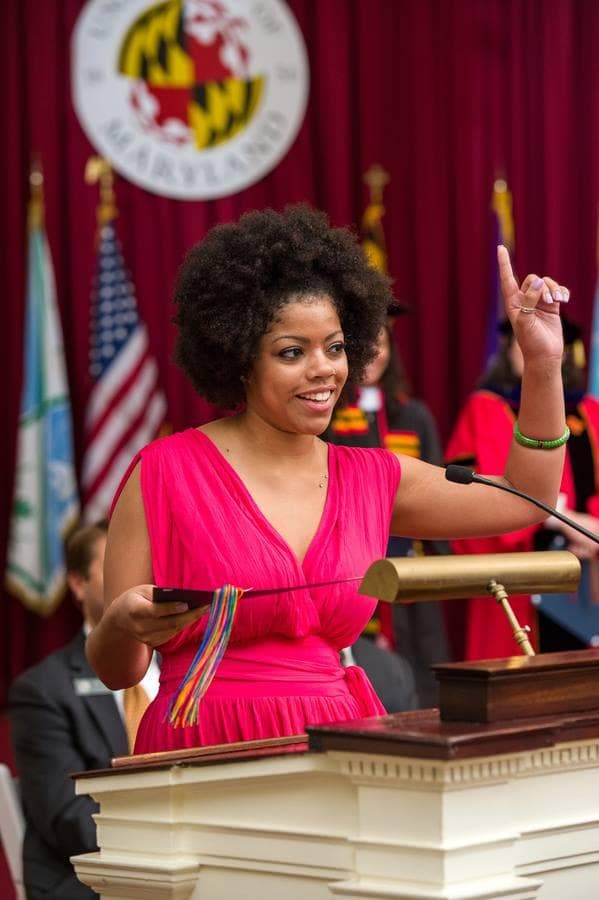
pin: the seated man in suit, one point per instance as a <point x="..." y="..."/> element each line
<point x="63" y="720"/>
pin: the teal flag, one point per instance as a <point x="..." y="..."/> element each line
<point x="46" y="502"/>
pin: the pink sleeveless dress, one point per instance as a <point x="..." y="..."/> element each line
<point x="281" y="670"/>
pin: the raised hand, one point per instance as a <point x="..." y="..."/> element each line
<point x="533" y="309"/>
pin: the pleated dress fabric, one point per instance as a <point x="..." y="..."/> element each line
<point x="281" y="670"/>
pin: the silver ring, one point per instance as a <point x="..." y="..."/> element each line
<point x="528" y="309"/>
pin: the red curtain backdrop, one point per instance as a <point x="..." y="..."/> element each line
<point x="443" y="93"/>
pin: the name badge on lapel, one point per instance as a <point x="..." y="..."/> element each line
<point x="88" y="687"/>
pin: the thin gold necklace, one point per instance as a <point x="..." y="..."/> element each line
<point x="322" y="480"/>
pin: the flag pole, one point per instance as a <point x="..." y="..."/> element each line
<point x="501" y="208"/>
<point x="372" y="227"/>
<point x="376" y="178"/>
<point x="35" y="212"/>
<point x="99" y="171"/>
<point x="502" y="205"/>
<point x="126" y="406"/>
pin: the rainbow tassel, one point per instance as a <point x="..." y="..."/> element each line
<point x="184" y="706"/>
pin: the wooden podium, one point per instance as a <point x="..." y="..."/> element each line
<point x="415" y="806"/>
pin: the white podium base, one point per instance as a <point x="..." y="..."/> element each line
<point x="351" y="825"/>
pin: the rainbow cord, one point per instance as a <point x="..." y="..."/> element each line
<point x="184" y="707"/>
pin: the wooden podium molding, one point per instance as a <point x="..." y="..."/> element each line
<point x="486" y="708"/>
<point x="296" y="743"/>
<point x="519" y="687"/>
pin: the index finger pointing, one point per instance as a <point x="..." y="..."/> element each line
<point x="506" y="276"/>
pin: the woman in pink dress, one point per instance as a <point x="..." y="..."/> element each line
<point x="276" y="314"/>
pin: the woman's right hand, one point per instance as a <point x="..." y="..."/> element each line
<point x="134" y="613"/>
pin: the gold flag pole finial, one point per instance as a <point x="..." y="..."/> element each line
<point x="99" y="170"/>
<point x="376" y="178"/>
<point x="502" y="205"/>
<point x="373" y="242"/>
<point x="36" y="194"/>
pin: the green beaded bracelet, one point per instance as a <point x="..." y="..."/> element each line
<point x="540" y="445"/>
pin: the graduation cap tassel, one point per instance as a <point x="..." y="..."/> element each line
<point x="184" y="707"/>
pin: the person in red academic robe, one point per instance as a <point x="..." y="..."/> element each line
<point x="481" y="439"/>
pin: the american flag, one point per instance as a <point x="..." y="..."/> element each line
<point x="126" y="406"/>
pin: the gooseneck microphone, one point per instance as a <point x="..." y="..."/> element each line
<point x="464" y="475"/>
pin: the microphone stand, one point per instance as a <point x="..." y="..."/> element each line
<point x="463" y="475"/>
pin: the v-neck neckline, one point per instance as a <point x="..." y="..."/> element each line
<point x="327" y="510"/>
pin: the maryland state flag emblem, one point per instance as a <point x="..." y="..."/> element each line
<point x="189" y="68"/>
<point x="195" y="99"/>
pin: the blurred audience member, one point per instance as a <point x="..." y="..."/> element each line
<point x="391" y="675"/>
<point x="64" y="720"/>
<point x="481" y="439"/>
<point x="382" y="413"/>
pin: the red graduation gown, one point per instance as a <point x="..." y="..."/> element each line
<point x="482" y="438"/>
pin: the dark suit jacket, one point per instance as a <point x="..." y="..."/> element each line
<point x="62" y="721"/>
<point x="389" y="673"/>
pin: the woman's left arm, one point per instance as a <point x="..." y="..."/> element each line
<point x="429" y="506"/>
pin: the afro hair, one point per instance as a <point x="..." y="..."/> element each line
<point x="232" y="284"/>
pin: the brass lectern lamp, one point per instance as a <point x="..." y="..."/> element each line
<point x="422" y="578"/>
<point x="496" y="690"/>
